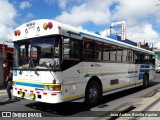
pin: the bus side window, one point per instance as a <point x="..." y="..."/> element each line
<point x="113" y="53"/>
<point x="119" y="54"/>
<point x="152" y="59"/>
<point x="97" y="51"/>
<point x="124" y="55"/>
<point x="130" y="56"/>
<point x="142" y="58"/>
<point x="146" y="58"/>
<point x="136" y="58"/>
<point x="71" y="49"/>
<point x="88" y="49"/>
<point x="106" y="52"/>
<point x="75" y="49"/>
<point x="66" y="48"/>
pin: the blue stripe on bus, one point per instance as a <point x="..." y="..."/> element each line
<point x="30" y="85"/>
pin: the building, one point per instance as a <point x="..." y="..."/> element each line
<point x="6" y="56"/>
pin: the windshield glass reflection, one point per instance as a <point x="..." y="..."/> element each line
<point x="41" y="52"/>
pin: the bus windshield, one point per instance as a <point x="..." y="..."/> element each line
<point x="37" y="52"/>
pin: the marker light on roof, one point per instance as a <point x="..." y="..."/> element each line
<point x="50" y="25"/>
<point x="17" y="32"/>
<point x="45" y="26"/>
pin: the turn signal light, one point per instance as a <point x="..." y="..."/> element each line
<point x="57" y="88"/>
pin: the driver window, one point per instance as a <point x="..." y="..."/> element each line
<point x="71" y="49"/>
<point x="23" y="54"/>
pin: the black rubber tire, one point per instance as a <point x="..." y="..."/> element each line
<point x="93" y="94"/>
<point x="145" y="81"/>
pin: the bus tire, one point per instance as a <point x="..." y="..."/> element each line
<point x="145" y="81"/>
<point x="93" y="93"/>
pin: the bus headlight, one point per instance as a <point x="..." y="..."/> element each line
<point x="45" y="87"/>
<point x="50" y="88"/>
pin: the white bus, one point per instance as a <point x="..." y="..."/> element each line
<point x="55" y="63"/>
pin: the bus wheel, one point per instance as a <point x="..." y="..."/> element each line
<point x="93" y="93"/>
<point x="145" y="81"/>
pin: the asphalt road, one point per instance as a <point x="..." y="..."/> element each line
<point x="71" y="110"/>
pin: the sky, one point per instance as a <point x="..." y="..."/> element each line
<point x="142" y="17"/>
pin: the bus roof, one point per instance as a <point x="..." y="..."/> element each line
<point x="37" y="28"/>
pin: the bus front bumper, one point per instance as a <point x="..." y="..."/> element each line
<point x="37" y="95"/>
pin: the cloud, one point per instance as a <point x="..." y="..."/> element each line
<point x="8" y="13"/>
<point x="25" y="5"/>
<point x="65" y="4"/>
<point x="134" y="10"/>
<point x="7" y="22"/>
<point x="91" y="11"/>
<point x="50" y="2"/>
<point x="138" y="14"/>
<point x="62" y="3"/>
<point x="6" y="33"/>
<point x="143" y="32"/>
<point x="105" y="32"/>
<point x="29" y="15"/>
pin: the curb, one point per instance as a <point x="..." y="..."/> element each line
<point x="144" y="105"/>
